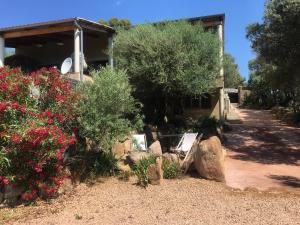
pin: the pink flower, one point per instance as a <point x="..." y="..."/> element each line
<point x="50" y="121"/>
<point x="48" y="113"/>
<point x="38" y="168"/>
<point x="5" y="181"/>
<point x="73" y="140"/>
<point x="16" y="138"/>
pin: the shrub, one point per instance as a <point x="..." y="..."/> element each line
<point x="36" y="114"/>
<point x="296" y="118"/>
<point x="108" y="110"/>
<point x="96" y="164"/>
<point x="206" y="125"/>
<point x="140" y="170"/>
<point x="171" y="170"/>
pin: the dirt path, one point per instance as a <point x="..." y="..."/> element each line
<point x="189" y="201"/>
<point x="263" y="153"/>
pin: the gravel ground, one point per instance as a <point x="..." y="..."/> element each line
<point x="184" y="201"/>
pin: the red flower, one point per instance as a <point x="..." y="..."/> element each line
<point x="5" y="181"/>
<point x="4" y="86"/>
<point x="3" y="106"/>
<point x="48" y="114"/>
<point x="60" y="118"/>
<point x="23" y="109"/>
<point x="16" y="138"/>
<point x="15" y="105"/>
<point x="73" y="140"/>
<point x="50" y="121"/>
<point x="38" y="168"/>
<point x="59" y="155"/>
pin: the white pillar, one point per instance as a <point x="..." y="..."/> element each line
<point x="2" y="51"/>
<point x="221" y="103"/>
<point x="110" y="48"/>
<point x="221" y="93"/>
<point x="220" y="34"/>
<point x="77" y="51"/>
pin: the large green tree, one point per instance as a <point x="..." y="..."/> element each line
<point x="232" y="76"/>
<point x="277" y="43"/>
<point x="168" y="60"/>
<point x="116" y="23"/>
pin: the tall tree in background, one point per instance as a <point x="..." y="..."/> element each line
<point x="277" y="43"/>
<point x="116" y="23"/>
<point x="233" y="79"/>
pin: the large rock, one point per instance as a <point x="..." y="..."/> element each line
<point x="121" y="148"/>
<point x="155" y="172"/>
<point x="155" y="149"/>
<point x="125" y="168"/>
<point x="135" y="156"/>
<point x="209" y="159"/>
<point x="171" y="157"/>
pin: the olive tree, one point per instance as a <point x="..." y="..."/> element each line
<point x="169" y="59"/>
<point x="108" y="110"/>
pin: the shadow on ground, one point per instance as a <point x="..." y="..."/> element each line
<point x="287" y="180"/>
<point x="262" y="145"/>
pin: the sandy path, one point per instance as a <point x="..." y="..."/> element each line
<point x="185" y="201"/>
<point x="263" y="153"/>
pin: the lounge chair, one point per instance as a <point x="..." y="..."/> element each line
<point x="139" y="142"/>
<point x="186" y="143"/>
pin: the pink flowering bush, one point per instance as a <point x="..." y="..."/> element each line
<point x="38" y="120"/>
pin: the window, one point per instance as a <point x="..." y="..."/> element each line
<point x="201" y="102"/>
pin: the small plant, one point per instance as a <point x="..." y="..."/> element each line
<point x="171" y="170"/>
<point x="78" y="217"/>
<point x="140" y="170"/>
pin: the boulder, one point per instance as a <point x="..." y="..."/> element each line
<point x="155" y="172"/>
<point x="209" y="159"/>
<point x="135" y="156"/>
<point x="171" y="157"/>
<point x="189" y="158"/>
<point x="123" y="167"/>
<point x="121" y="148"/>
<point x="155" y="149"/>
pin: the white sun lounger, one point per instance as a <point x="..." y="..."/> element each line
<point x="186" y="142"/>
<point x="139" y="142"/>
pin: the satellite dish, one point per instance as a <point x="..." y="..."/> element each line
<point x="66" y="66"/>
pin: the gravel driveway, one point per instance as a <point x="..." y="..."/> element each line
<point x="185" y="201"/>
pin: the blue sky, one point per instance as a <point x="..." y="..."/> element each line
<point x="239" y="13"/>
